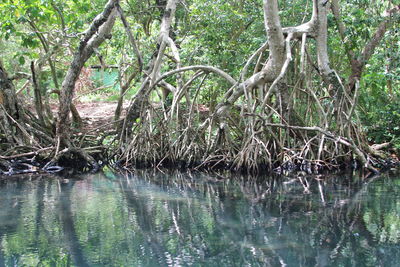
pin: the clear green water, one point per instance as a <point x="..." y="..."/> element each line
<point x="153" y="219"/>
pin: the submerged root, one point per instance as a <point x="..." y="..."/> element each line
<point x="70" y="159"/>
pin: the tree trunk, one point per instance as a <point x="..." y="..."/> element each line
<point x="8" y="107"/>
<point x="37" y="96"/>
<point x="8" y="97"/>
<point x="98" y="31"/>
<point x="141" y="97"/>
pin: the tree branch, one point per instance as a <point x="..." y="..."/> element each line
<point x="130" y="37"/>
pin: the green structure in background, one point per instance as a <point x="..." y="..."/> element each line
<point x="107" y="77"/>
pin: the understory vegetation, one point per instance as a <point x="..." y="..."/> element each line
<point x="247" y="85"/>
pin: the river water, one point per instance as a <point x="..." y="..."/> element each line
<point x="175" y="219"/>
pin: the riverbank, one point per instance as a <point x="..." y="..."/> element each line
<point x="96" y="135"/>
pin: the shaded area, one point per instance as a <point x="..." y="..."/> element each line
<point x="156" y="219"/>
<point x="67" y="221"/>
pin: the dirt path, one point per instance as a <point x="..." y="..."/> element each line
<point x="97" y="115"/>
<point x="96" y="110"/>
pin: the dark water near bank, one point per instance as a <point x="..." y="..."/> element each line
<point x="153" y="219"/>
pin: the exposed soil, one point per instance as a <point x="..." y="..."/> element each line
<point x="97" y="115"/>
<point x="96" y="110"/>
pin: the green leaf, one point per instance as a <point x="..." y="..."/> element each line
<point x="21" y="60"/>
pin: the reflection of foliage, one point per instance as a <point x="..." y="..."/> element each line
<point x="156" y="220"/>
<point x="382" y="217"/>
<point x="31" y="240"/>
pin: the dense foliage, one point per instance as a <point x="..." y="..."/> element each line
<point x="223" y="34"/>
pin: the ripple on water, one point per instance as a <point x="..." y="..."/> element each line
<point x="176" y="221"/>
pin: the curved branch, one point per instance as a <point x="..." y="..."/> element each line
<point x="205" y="68"/>
<point x="258" y="52"/>
<point x="178" y="94"/>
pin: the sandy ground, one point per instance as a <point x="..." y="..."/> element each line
<point x="96" y="110"/>
<point x="97" y="115"/>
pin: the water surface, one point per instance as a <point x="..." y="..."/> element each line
<point x="155" y="219"/>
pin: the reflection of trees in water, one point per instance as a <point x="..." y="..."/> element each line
<point x="10" y="207"/>
<point x="68" y="225"/>
<point x="8" y="195"/>
<point x="27" y="240"/>
<point x="156" y="219"/>
<point x="337" y="232"/>
<point x="238" y="232"/>
<point x="333" y="231"/>
<point x="344" y="231"/>
<point x="137" y="207"/>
